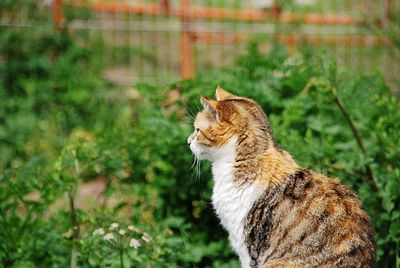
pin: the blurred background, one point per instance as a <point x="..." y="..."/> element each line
<point x="97" y="99"/>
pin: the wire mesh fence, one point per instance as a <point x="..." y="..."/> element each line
<point x="162" y="41"/>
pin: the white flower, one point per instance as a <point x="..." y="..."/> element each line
<point x="108" y="237"/>
<point x="133" y="229"/>
<point x="146" y="238"/>
<point x="99" y="231"/>
<point x="114" y="226"/>
<point x="122" y="232"/>
<point x="134" y="243"/>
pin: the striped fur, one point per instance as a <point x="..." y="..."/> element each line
<point x="277" y="214"/>
<point x="312" y="221"/>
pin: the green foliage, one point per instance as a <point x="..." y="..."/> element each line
<point x="62" y="127"/>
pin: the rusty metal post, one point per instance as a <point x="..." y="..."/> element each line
<point x="58" y="14"/>
<point x="164" y="6"/>
<point x="187" y="57"/>
<point x="276" y="10"/>
<point x="368" y="8"/>
<point x="388" y="5"/>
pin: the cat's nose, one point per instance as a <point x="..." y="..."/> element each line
<point x="189" y="140"/>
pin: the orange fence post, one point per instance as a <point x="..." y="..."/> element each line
<point x="187" y="57"/>
<point x="58" y="14"/>
<point x="387" y="12"/>
<point x="164" y="6"/>
<point x="276" y="10"/>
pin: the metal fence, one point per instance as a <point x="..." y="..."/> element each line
<point x="161" y="41"/>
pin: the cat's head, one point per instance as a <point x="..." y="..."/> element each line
<point x="229" y="119"/>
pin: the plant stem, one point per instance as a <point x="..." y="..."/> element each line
<point x="121" y="259"/>
<point x="370" y="176"/>
<point x="75" y="230"/>
<point x="74" y="217"/>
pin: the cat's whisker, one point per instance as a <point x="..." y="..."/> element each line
<point x="198" y="169"/>
<point x="198" y="107"/>
<point x="190" y="116"/>
<point x="193" y="164"/>
<point x="191" y="113"/>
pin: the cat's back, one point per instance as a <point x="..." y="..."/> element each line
<point x="309" y="220"/>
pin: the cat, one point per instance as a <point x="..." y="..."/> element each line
<point x="277" y="214"/>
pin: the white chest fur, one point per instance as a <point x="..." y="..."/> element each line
<point x="231" y="201"/>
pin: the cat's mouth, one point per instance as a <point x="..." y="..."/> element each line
<point x="200" y="155"/>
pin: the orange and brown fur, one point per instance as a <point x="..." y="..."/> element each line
<point x="277" y="213"/>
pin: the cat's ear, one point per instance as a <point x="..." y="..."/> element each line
<point x="210" y="106"/>
<point x="222" y="94"/>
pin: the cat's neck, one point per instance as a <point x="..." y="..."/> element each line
<point x="269" y="166"/>
<point x="275" y="166"/>
<point x="224" y="161"/>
